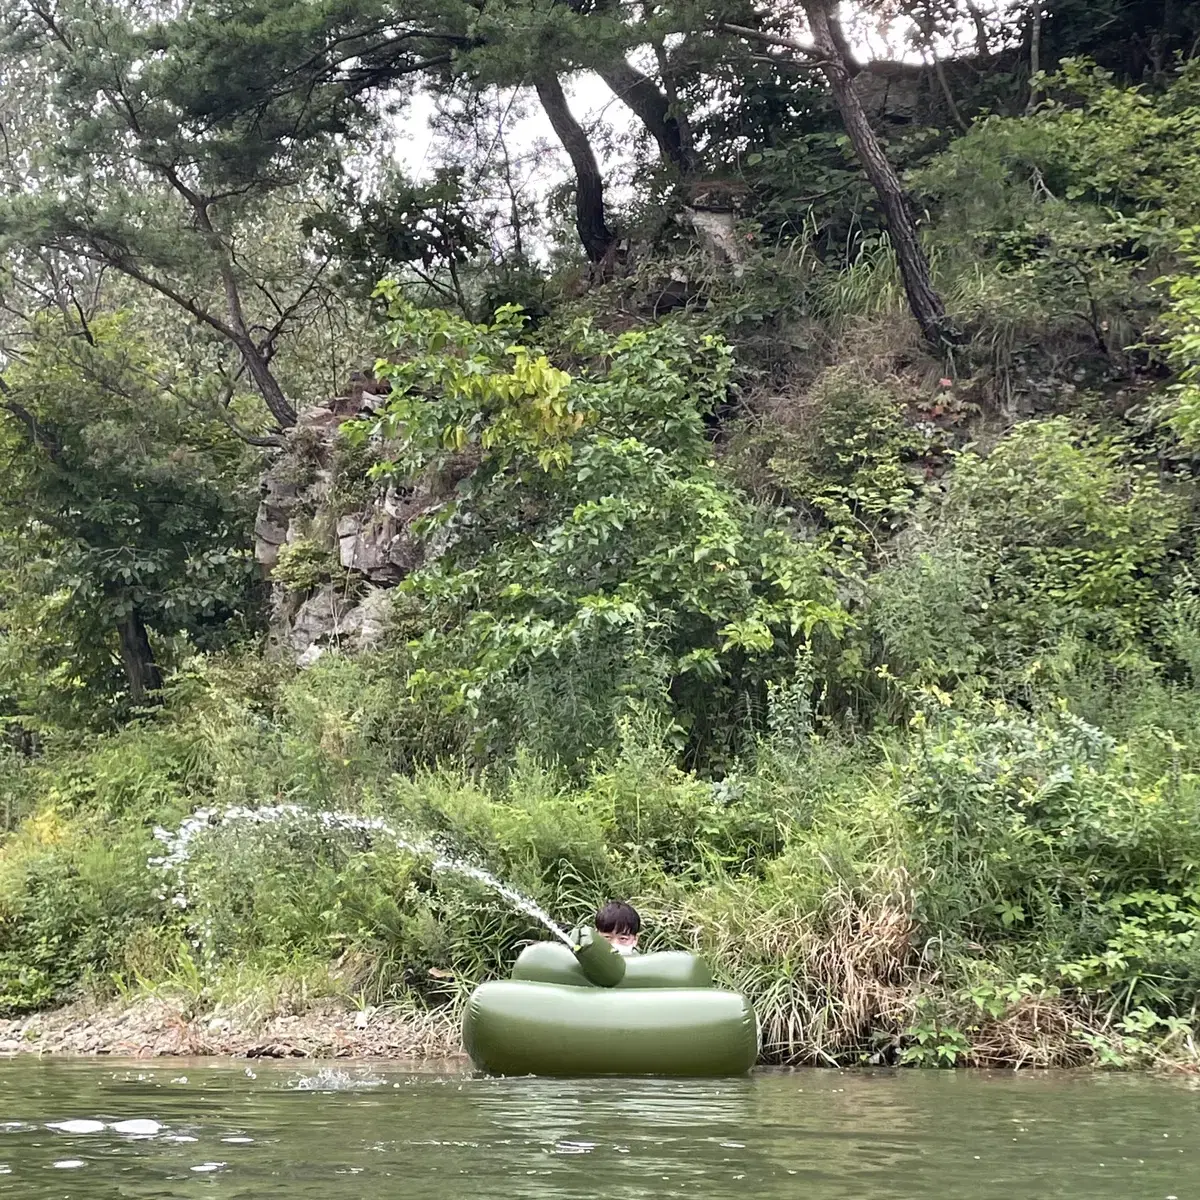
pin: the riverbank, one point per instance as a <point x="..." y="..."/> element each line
<point x="162" y="1027"/>
<point x="985" y="886"/>
<point x="154" y="1027"/>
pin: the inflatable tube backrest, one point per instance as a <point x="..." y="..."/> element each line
<point x="552" y="962"/>
<point x="549" y="962"/>
<point x="600" y="962"/>
<point x="668" y="969"/>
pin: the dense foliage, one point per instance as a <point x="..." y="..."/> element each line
<point x="125" y="510"/>
<point x="600" y="552"/>
<point x="798" y="539"/>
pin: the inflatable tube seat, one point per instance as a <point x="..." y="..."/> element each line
<point x="516" y="1027"/>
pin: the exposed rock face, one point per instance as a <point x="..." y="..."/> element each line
<point x="713" y="208"/>
<point x="356" y="540"/>
<point x="896" y="93"/>
<point x="378" y="543"/>
<point x="317" y="623"/>
<point x="908" y="94"/>
<point x="329" y="619"/>
<point x="274" y="514"/>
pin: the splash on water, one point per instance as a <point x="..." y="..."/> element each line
<point x="76" y="1126"/>
<point x="327" y="1079"/>
<point x="138" y="1128"/>
<point x="178" y="843"/>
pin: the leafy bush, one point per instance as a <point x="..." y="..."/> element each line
<point x="1049" y="537"/>
<point x="909" y="898"/>
<point x="69" y="901"/>
<point x="1075" y="207"/>
<point x="1182" y="325"/>
<point x="847" y="454"/>
<point x="591" y="528"/>
<point x="303" y="565"/>
<point x="1049" y="836"/>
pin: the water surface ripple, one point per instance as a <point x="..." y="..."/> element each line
<point x="91" y="1130"/>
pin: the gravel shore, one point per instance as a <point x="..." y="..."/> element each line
<point x="152" y="1027"/>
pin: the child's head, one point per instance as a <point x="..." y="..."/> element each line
<point x="619" y="923"/>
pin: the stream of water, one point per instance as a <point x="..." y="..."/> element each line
<point x="222" y="1130"/>
<point x="177" y="847"/>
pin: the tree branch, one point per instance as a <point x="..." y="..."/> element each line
<point x="271" y="440"/>
<point x="362" y="78"/>
<point x="274" y="440"/>
<point x="437" y="286"/>
<point x="38" y="433"/>
<point x="773" y="39"/>
<point x="785" y="60"/>
<point x="285" y="314"/>
<point x="118" y="260"/>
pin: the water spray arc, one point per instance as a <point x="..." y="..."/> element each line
<point x="177" y="845"/>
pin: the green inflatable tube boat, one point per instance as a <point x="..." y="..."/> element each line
<point x="596" y="1012"/>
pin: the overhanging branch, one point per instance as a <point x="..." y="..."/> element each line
<point x="773" y="39"/>
<point x="36" y="431"/>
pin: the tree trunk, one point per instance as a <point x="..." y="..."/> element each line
<point x="675" y="109"/>
<point x="255" y="357"/>
<point x="590" y="224"/>
<point x="268" y="386"/>
<point x="145" y="679"/>
<point x="923" y="300"/>
<point x="640" y="93"/>
<point x="1035" y="55"/>
<point x="983" y="50"/>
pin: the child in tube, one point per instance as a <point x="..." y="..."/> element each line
<point x="619" y="923"/>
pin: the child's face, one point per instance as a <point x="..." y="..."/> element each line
<point x="624" y="942"/>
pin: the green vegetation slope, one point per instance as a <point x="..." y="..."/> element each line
<point x="828" y="592"/>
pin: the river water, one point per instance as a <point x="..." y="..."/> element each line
<point x="218" y="1129"/>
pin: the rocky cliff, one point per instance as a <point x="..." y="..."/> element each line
<point x="333" y="543"/>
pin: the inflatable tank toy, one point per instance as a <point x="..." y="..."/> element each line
<point x="588" y="1010"/>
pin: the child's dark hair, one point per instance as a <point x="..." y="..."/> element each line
<point x="618" y="917"/>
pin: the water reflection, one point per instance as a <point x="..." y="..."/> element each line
<point x="620" y="1138"/>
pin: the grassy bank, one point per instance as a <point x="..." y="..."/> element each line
<point x="992" y="886"/>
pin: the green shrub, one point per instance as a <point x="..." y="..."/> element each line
<point x="847" y="454"/>
<point x="304" y="565"/>
<point x="1182" y="325"/>
<point x="1049" y="836"/>
<point x="1070" y="212"/>
<point x="592" y="527"/>
<point x="1048" y="538"/>
<point x="70" y="899"/>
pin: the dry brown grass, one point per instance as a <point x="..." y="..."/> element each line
<point x="825" y="979"/>
<point x="1036" y="1031"/>
<point x="155" y="1026"/>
